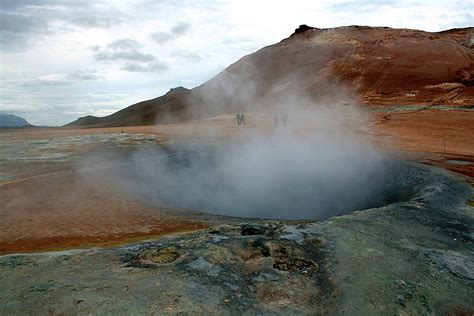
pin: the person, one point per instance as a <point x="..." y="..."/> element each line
<point x="237" y="117"/>
<point x="242" y="118"/>
<point x="275" y="120"/>
<point x="284" y="118"/>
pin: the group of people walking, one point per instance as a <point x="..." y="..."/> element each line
<point x="240" y="119"/>
<point x="276" y="119"/>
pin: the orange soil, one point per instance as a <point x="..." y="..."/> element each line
<point x="435" y="136"/>
<point x="61" y="210"/>
<point x="441" y="132"/>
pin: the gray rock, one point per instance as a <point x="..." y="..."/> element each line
<point x="201" y="264"/>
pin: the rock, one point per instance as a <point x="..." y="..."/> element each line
<point x="218" y="254"/>
<point x="400" y="284"/>
<point x="179" y="89"/>
<point x="303" y="28"/>
<point x="217" y="237"/>
<point x="223" y="229"/>
<point x="159" y="256"/>
<point x="401" y="300"/>
<point x="201" y="264"/>
<point x="455" y="262"/>
<point x="294" y="264"/>
<point x="294" y="234"/>
<point x="233" y="287"/>
<point x="264" y="277"/>
<point x="253" y="229"/>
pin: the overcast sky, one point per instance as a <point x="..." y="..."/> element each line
<point x="61" y="59"/>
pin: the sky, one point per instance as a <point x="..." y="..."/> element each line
<point x="62" y="59"/>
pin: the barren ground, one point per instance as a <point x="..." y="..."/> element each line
<point x="409" y="257"/>
<point x="46" y="206"/>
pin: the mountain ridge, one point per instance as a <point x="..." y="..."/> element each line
<point x="10" y="120"/>
<point x="365" y="65"/>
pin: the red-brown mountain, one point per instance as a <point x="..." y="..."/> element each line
<point x="368" y="65"/>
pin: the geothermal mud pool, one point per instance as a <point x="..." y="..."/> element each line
<point x="211" y="179"/>
<point x="274" y="177"/>
<point x="406" y="249"/>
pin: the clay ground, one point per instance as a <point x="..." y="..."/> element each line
<point x="47" y="206"/>
<point x="440" y="137"/>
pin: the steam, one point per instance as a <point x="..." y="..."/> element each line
<point x="315" y="167"/>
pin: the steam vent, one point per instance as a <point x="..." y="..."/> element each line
<point x="329" y="173"/>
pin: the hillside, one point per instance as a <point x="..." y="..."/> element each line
<point x="367" y="65"/>
<point x="169" y="107"/>
<point x="10" y="120"/>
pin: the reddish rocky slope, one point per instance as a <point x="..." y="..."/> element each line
<point x="366" y="65"/>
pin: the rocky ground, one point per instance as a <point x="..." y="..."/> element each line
<point x="414" y="256"/>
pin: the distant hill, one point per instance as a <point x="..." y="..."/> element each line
<point x="375" y="66"/>
<point x="169" y="107"/>
<point x="10" y="120"/>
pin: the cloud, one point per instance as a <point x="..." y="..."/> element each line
<point x="24" y="22"/>
<point x="150" y="67"/>
<point x="92" y="17"/>
<point x="85" y="75"/>
<point x="128" y="54"/>
<point x="62" y="79"/>
<point x="353" y="6"/>
<point x="180" y="28"/>
<point x="53" y="80"/>
<point x="15" y="30"/>
<point x="177" y="30"/>
<point x="124" y="50"/>
<point x="185" y="55"/>
<point x="161" y="37"/>
<point x="18" y="23"/>
<point x="8" y="5"/>
<point x="459" y="20"/>
<point x="423" y="15"/>
<point x="82" y="13"/>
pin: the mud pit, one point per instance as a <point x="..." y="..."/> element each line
<point x="195" y="178"/>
